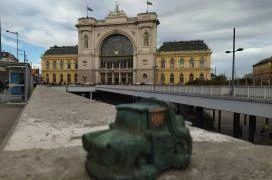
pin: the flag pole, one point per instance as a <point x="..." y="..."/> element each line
<point x="146" y="6"/>
<point x="87" y="11"/>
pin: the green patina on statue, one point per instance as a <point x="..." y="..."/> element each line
<point x="146" y="138"/>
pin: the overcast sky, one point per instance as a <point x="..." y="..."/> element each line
<point x="44" y="23"/>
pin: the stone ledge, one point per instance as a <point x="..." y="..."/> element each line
<point x="209" y="161"/>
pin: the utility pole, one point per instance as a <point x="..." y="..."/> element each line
<point x="233" y="64"/>
<point x="233" y="61"/>
<point x="16" y="33"/>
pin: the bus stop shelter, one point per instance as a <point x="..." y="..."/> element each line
<point x="18" y="76"/>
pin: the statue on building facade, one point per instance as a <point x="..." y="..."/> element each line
<point x="117" y="11"/>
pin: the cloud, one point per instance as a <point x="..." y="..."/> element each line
<point x="48" y="22"/>
<point x="9" y="42"/>
<point x="36" y="66"/>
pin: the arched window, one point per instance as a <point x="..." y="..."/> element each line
<point x="181" y="62"/>
<point x="117" y="52"/>
<point x="202" y="62"/>
<point x="162" y="78"/>
<point x="68" y="65"/>
<point x="61" y="64"/>
<point x="181" y="78"/>
<point x="192" y="63"/>
<point x="163" y="63"/>
<point x="54" y="78"/>
<point x="172" y="63"/>
<point x="75" y="77"/>
<point x="201" y="76"/>
<point x="68" y="78"/>
<point x="191" y="77"/>
<point x="47" y="65"/>
<point x="61" y="77"/>
<point x="84" y="77"/>
<point x="146" y="39"/>
<point x="172" y="79"/>
<point x="54" y="65"/>
<point x="85" y="41"/>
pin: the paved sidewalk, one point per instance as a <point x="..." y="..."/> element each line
<point x="10" y="108"/>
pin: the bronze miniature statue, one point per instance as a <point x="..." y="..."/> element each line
<point x="146" y="138"/>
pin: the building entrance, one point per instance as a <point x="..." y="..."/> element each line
<point x="116" y="60"/>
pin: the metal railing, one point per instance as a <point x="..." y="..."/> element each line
<point x="248" y="92"/>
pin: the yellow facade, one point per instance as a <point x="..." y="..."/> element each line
<point x="262" y="71"/>
<point x="59" y="68"/>
<point x="178" y="67"/>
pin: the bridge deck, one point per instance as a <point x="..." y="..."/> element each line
<point x="256" y="107"/>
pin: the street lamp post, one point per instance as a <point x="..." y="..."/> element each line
<point x="154" y="67"/>
<point x="17" y="40"/>
<point x="24" y="55"/>
<point x="233" y="61"/>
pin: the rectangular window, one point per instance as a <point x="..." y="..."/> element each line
<point x="172" y="63"/>
<point x="55" y="65"/>
<point x="192" y="63"/>
<point x="163" y="63"/>
<point x="181" y="63"/>
<point x="202" y="62"/>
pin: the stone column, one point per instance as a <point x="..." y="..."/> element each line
<point x="112" y="78"/>
<point x="199" y="117"/>
<point x="236" y="125"/>
<point x="251" y="128"/>
<point x="127" y="78"/>
<point x="106" y="78"/>
<point x="219" y="121"/>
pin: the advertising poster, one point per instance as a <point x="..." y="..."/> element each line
<point x="16" y="84"/>
<point x="16" y="78"/>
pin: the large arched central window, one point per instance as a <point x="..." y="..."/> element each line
<point x="117" y="45"/>
<point x="117" y="52"/>
<point x="116" y="56"/>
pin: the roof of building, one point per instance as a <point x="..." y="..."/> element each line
<point x="264" y="61"/>
<point x="61" y="50"/>
<point x="8" y="55"/>
<point x="184" y="46"/>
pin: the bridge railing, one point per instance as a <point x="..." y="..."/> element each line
<point x="253" y="92"/>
